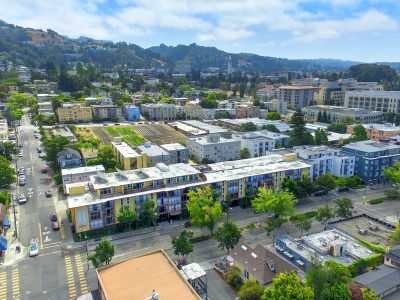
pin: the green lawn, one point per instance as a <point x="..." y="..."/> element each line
<point x="129" y="135"/>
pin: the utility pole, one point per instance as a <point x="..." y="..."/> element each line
<point x="15" y="219"/>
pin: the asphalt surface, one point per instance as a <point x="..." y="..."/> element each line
<point x="56" y="275"/>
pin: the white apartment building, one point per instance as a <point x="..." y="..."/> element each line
<point x="326" y="160"/>
<point x="297" y="96"/>
<point x="80" y="174"/>
<point x="384" y="101"/>
<point x="338" y="113"/>
<point x="213" y="148"/>
<point x="45" y="97"/>
<point x="3" y="130"/>
<point x="45" y="108"/>
<point x="257" y="143"/>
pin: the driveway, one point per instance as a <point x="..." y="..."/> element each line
<point x="217" y="288"/>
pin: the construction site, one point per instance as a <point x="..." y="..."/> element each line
<point x="366" y="228"/>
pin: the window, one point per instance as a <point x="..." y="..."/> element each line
<point x="81" y="216"/>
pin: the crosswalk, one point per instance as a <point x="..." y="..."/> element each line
<point x="81" y="273"/>
<point x="15" y="282"/>
<point x="70" y="277"/>
<point x="3" y="285"/>
<point x="9" y="284"/>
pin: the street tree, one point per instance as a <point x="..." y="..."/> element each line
<point x="326" y="182"/>
<point x="393" y="174"/>
<point x="7" y="149"/>
<point x="148" y="213"/>
<point x="5" y="198"/>
<point x="227" y="236"/>
<point x="343" y="207"/>
<point x="341" y="181"/>
<point x="248" y="126"/>
<point x="53" y="146"/>
<point x="359" y="133"/>
<point x="320" y="137"/>
<point x="105" y="157"/>
<point x="395" y="236"/>
<point x="302" y="222"/>
<point x="233" y="277"/>
<point x="280" y="203"/>
<point x="299" y="135"/>
<point x="324" y="215"/>
<point x="250" y="290"/>
<point x="204" y="209"/>
<point x="182" y="245"/>
<point x="7" y="173"/>
<point x="103" y="254"/>
<point x="244" y="153"/>
<point x="126" y="216"/>
<point x="336" y="291"/>
<point x="273" y="115"/>
<point x="288" y="286"/>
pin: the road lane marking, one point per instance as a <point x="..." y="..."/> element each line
<point x="3" y="285"/>
<point x="81" y="274"/>
<point x="15" y="283"/>
<point x="40" y="236"/>
<point x="70" y="277"/>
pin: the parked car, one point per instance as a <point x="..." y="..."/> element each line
<point x="21" y="198"/>
<point x="48" y="194"/>
<point x="21" y="172"/>
<point x="33" y="248"/>
<point x="22" y="176"/>
<point x="187" y="224"/>
<point x="53" y="217"/>
<point x="43" y="170"/>
<point x="343" y="189"/>
<point x="21" y="182"/>
<point x="55" y="225"/>
<point x="20" y="146"/>
<point x="36" y="135"/>
<point x="320" y="193"/>
<point x="39" y="150"/>
<point x="21" y="154"/>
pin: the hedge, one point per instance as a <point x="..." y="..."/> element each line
<point x="377" y="200"/>
<point x="371" y="246"/>
<point x="200" y="238"/>
<point x="362" y="265"/>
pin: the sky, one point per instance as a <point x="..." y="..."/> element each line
<point x="360" y="30"/>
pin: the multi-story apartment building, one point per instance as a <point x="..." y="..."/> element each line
<point x="45" y="108"/>
<point x="132" y="113"/>
<point x="378" y="132"/>
<point x="277" y="105"/>
<point x="154" y="154"/>
<point x="323" y="160"/>
<point x="46" y="97"/>
<point x="248" y="111"/>
<point x="384" y="101"/>
<point x="128" y="158"/>
<point x="177" y="153"/>
<point x="338" y="113"/>
<point x="74" y="113"/>
<point x="107" y="112"/>
<point x="159" y="111"/>
<point x="235" y="124"/>
<point x="168" y="187"/>
<point x="297" y="96"/>
<point x="333" y="93"/>
<point x="80" y="175"/>
<point x="213" y="148"/>
<point x="257" y="143"/>
<point x="372" y="158"/>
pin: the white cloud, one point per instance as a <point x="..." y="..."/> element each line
<point x="208" y="20"/>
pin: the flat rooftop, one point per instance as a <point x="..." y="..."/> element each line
<point x="383" y="127"/>
<point x="188" y="128"/>
<point x="152" y="150"/>
<point x="298" y="87"/>
<point x="82" y="170"/>
<point x="371" y="146"/>
<point x="136" y="278"/>
<point x="205" y="140"/>
<point x="342" y="110"/>
<point x="173" y="147"/>
<point x="205" y="126"/>
<point x="281" y="126"/>
<point x="125" y="150"/>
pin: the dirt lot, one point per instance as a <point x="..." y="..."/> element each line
<point x="101" y="134"/>
<point x="379" y="237"/>
<point x="85" y="132"/>
<point x="159" y="133"/>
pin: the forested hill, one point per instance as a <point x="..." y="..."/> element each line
<point x="34" y="48"/>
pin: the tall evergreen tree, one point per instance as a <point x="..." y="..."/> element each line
<point x="299" y="135"/>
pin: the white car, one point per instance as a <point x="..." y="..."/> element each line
<point x="33" y="248"/>
<point x="21" y="154"/>
<point x="21" y="198"/>
<point x="21" y="181"/>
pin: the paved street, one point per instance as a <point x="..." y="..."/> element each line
<point x="55" y="275"/>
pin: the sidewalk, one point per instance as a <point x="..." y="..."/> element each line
<point x="11" y="256"/>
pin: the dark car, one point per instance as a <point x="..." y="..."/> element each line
<point x="48" y="194"/>
<point x="187" y="224"/>
<point x="53" y="218"/>
<point x="343" y="189"/>
<point x="320" y="193"/>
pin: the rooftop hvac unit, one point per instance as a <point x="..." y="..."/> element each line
<point x="154" y="296"/>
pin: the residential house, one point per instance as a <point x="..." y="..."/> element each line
<point x="69" y="158"/>
<point x="107" y="112"/>
<point x="259" y="263"/>
<point x="88" y="154"/>
<point x="132" y="113"/>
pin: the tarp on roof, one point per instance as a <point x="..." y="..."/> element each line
<point x="6" y="222"/>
